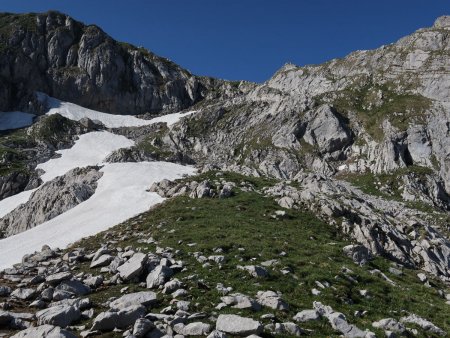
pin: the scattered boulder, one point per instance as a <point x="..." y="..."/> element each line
<point x="272" y="300"/>
<point x="23" y="293"/>
<point x="142" y="326"/>
<point x="44" y="331"/>
<point x="158" y="276"/>
<point x="306" y="315"/>
<point x="133" y="267"/>
<point x="144" y="298"/>
<point x="237" y="325"/>
<point x="254" y="270"/>
<point x="109" y="320"/>
<point x="193" y="329"/>
<point x="389" y="324"/>
<point x="57" y="278"/>
<point x="358" y="253"/>
<point x="61" y="315"/>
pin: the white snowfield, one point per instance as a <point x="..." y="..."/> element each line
<point x="75" y="112"/>
<point x="15" y="120"/>
<point x="90" y="149"/>
<point x="9" y="204"/>
<point x="120" y="194"/>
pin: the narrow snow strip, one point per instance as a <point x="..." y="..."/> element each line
<point x="89" y="149"/>
<point x="75" y="112"/>
<point x="120" y="194"/>
<point x="10" y="203"/>
<point x="15" y="120"/>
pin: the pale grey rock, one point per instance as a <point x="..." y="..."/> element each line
<point x="103" y="260"/>
<point x="172" y="286"/>
<point x="423" y="323"/>
<point x="74" y="286"/>
<point x="58" y="277"/>
<point x="272" y="300"/>
<point x="358" y="253"/>
<point x="254" y="270"/>
<point x="142" y="326"/>
<point x="60" y="315"/>
<point x="338" y="322"/>
<point x="133" y="267"/>
<point x="217" y="334"/>
<point x="23" y="293"/>
<point x="158" y="276"/>
<point x="193" y="329"/>
<point x="389" y="324"/>
<point x="290" y="329"/>
<point x="237" y="325"/>
<point x="145" y="298"/>
<point x="44" y="331"/>
<point x="240" y="301"/>
<point x="94" y="281"/>
<point x="306" y="315"/>
<point x="326" y="130"/>
<point x="107" y="321"/>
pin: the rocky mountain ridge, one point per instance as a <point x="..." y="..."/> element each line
<point x="361" y="143"/>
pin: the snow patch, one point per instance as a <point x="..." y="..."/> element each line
<point x="120" y="194"/>
<point x="15" y="120"/>
<point x="75" y="112"/>
<point x="90" y="149"/>
<point x="10" y="203"/>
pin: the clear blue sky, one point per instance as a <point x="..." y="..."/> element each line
<point x="248" y="39"/>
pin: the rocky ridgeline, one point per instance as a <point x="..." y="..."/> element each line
<point x="386" y="228"/>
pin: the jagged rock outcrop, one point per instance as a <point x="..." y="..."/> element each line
<point x="57" y="55"/>
<point x="384" y="227"/>
<point x="52" y="199"/>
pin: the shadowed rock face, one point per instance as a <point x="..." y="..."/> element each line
<point x="52" y="199"/>
<point x="66" y="59"/>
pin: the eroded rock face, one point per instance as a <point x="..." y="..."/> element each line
<point x="52" y="199"/>
<point x="82" y="64"/>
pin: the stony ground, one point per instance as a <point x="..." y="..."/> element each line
<point x="219" y="258"/>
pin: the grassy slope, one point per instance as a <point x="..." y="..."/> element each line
<point x="314" y="253"/>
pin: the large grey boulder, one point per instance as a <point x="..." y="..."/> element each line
<point x="142" y="326"/>
<point x="339" y="323"/>
<point x="56" y="278"/>
<point x="423" y="323"/>
<point x="358" y="253"/>
<point x="389" y="324"/>
<point x="240" y="301"/>
<point x="61" y="315"/>
<point x="23" y="293"/>
<point x="145" y="298"/>
<point x="109" y="320"/>
<point x="44" y="331"/>
<point x="74" y="286"/>
<point x="158" y="276"/>
<point x="133" y="267"/>
<point x="272" y="300"/>
<point x="237" y="325"/>
<point x="193" y="329"/>
<point x="306" y="315"/>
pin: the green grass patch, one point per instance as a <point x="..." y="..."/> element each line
<point x="243" y="227"/>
